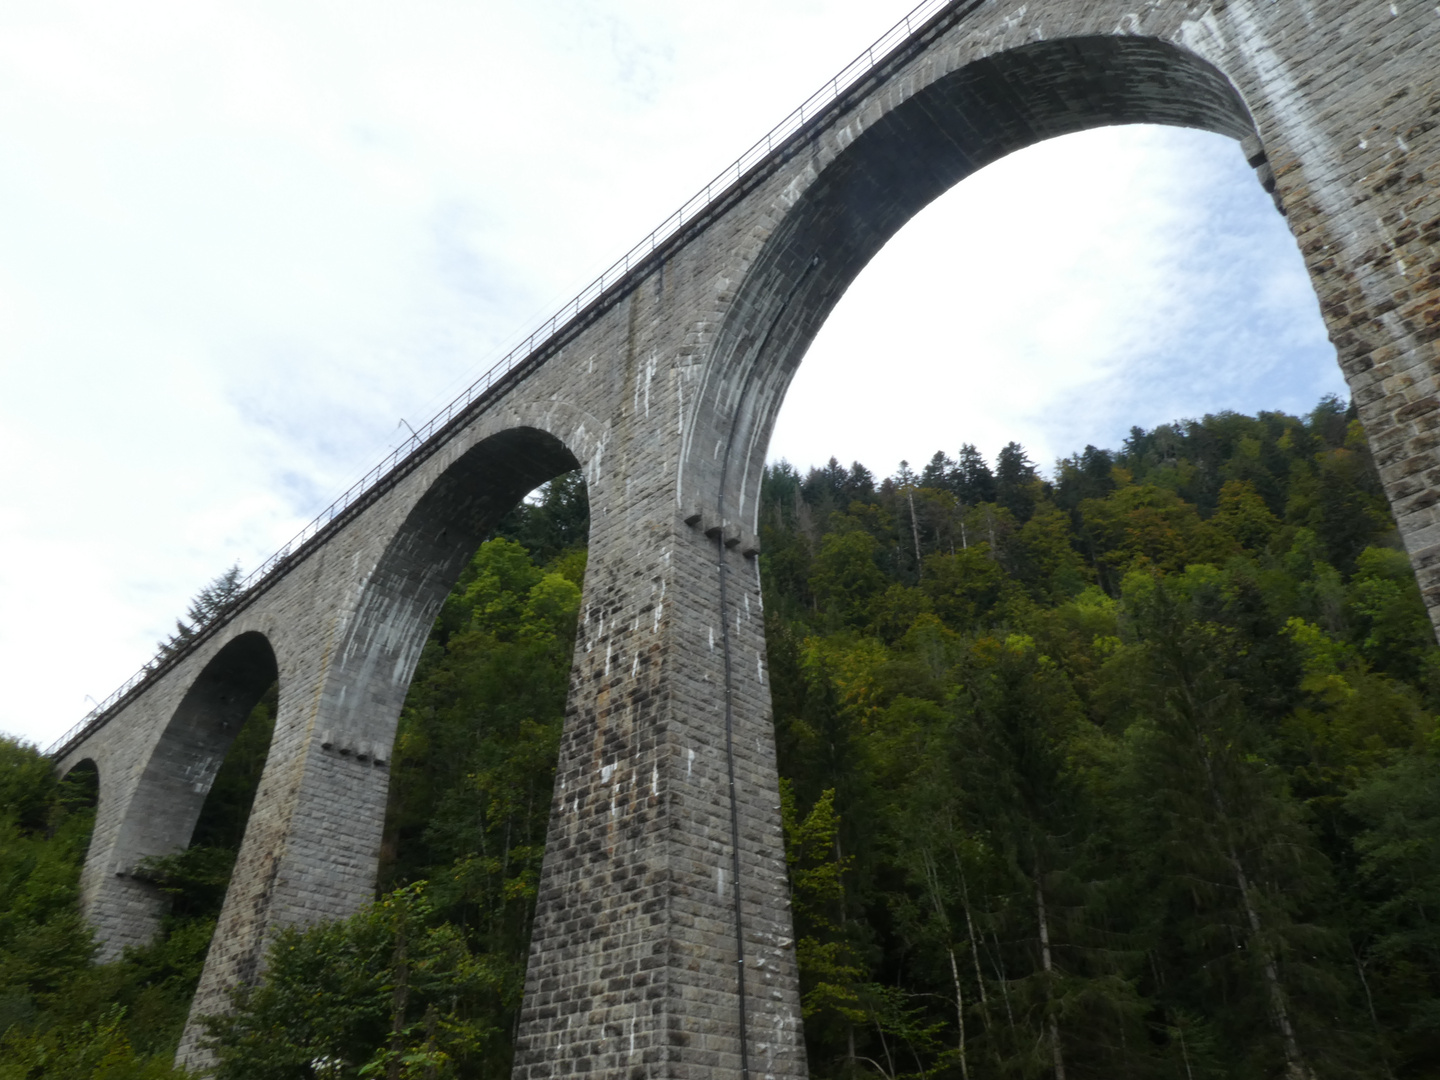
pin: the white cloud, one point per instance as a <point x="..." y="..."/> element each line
<point x="238" y="242"/>
<point x="1130" y="275"/>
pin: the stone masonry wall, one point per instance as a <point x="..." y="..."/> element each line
<point x="665" y="394"/>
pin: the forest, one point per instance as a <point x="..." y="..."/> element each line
<point x="1125" y="768"/>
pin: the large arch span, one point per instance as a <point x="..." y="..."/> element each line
<point x="662" y="942"/>
<point x="893" y="169"/>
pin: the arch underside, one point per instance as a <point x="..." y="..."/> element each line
<point x="160" y="816"/>
<point x="902" y="162"/>
<point x="419" y="567"/>
<point x="184" y="763"/>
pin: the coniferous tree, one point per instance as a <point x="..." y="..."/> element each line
<point x="209" y="602"/>
<point x="939" y="472"/>
<point x="974" y="483"/>
<point x="1015" y="478"/>
<point x="1129" y="776"/>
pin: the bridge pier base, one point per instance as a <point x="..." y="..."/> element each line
<point x="664" y="887"/>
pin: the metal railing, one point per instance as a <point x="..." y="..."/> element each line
<point x="813" y="106"/>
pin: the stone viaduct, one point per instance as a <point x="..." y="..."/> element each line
<point x="662" y="933"/>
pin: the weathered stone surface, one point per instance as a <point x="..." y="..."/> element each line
<point x="665" y="393"/>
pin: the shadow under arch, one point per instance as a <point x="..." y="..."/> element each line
<point x="418" y="568"/>
<point x="79" y="793"/>
<point x="85" y="774"/>
<point x="901" y="163"/>
<point x="167" y="802"/>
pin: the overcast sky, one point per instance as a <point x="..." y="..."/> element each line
<point x="240" y="242"/>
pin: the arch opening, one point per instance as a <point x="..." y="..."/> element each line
<point x="478" y="735"/>
<point x="478" y="742"/>
<point x="79" y="794"/>
<point x="899" y="164"/>
<point x="956" y="698"/>
<point x="194" y="879"/>
<point x="419" y="567"/>
<point x="1123" y="276"/>
<point x="185" y="762"/>
<point x="83" y="785"/>
<point x="447" y="700"/>
<point x="496" y="657"/>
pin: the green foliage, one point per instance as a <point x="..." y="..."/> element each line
<point x="90" y="1050"/>
<point x="60" y="1015"/>
<point x="1130" y="773"/>
<point x="392" y="991"/>
<point x="474" y="762"/>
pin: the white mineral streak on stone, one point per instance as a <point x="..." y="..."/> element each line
<point x="690" y="764"/>
<point x="797" y="187"/>
<point x="1316" y="161"/>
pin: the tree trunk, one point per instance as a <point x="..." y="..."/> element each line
<point x="915" y="532"/>
<point x="999" y="962"/>
<point x="1056" y="1055"/>
<point x="1295" y="1066"/>
<point x="399" y="1002"/>
<point x="974" y="945"/>
<point x="959" y="1013"/>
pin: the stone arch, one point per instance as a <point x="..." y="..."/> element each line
<point x="312" y="848"/>
<point x="420" y="564"/>
<point x="902" y="161"/>
<point x="161" y="815"/>
<point x="187" y="756"/>
<point x="82" y="765"/>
